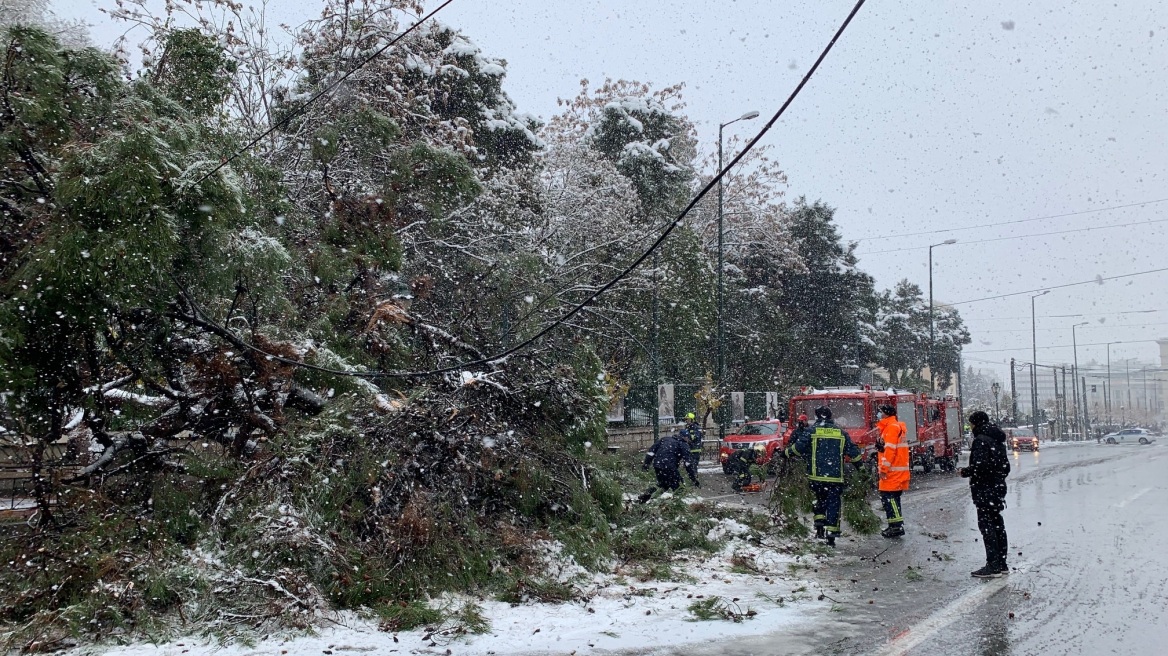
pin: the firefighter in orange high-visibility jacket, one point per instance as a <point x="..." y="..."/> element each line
<point x="893" y="467"/>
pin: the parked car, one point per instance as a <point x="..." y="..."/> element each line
<point x="765" y="436"/>
<point x="1129" y="435"/>
<point x="1021" y="439"/>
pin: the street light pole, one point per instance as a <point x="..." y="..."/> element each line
<point x="995" y="388"/>
<point x="932" y="384"/>
<point x="1034" y="359"/>
<point x="1075" y="376"/>
<point x="1107" y="396"/>
<point x="721" y="305"/>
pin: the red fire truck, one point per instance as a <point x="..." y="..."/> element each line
<point x="933" y="424"/>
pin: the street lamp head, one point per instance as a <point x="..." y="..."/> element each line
<point x="949" y="241"/>
<point x="747" y="116"/>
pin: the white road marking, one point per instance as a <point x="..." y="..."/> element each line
<point x="930" y="626"/>
<point x="1133" y="497"/>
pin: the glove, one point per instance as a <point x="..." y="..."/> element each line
<point x="963" y="472"/>
<point x="644" y="466"/>
<point x="858" y="465"/>
<point x="696" y="483"/>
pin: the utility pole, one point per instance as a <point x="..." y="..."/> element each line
<point x="932" y="385"/>
<point x="1054" y="378"/>
<point x="721" y="302"/>
<point x="655" y="355"/>
<point x="1034" y="398"/>
<point x="1066" y="424"/>
<point x="1127" y="366"/>
<point x="1086" y="416"/>
<point x="1075" y="376"/>
<point x="1013" y="395"/>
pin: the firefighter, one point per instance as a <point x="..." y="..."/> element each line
<point x="824" y="448"/>
<point x="893" y="467"/>
<point x="694" y="435"/>
<point x="738" y="466"/>
<point x="989" y="465"/>
<point x="665" y="455"/>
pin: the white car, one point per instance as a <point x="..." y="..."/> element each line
<point x="1129" y="435"/>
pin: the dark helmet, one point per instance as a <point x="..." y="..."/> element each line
<point x="978" y="418"/>
<point x="823" y="412"/>
<point x="887" y="410"/>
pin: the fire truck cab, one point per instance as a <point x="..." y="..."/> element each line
<point x="933" y="424"/>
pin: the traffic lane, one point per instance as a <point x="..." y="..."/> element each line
<point x="1087" y="538"/>
<point x="942" y="545"/>
<point x="890" y="589"/>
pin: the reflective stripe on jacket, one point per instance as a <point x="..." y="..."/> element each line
<point x="894" y="461"/>
<point x="825" y="449"/>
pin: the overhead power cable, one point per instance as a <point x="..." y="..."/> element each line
<point x="620" y="276"/>
<point x="1037" y="234"/>
<point x="324" y="91"/>
<point x="1055" y="346"/>
<point x="1002" y="223"/>
<point x="1062" y="316"/>
<point x="1069" y="284"/>
<point x="1066" y="328"/>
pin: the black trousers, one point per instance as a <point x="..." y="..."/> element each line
<point x="691" y="465"/>
<point x="828" y="502"/>
<point x="993" y="533"/>
<point x="891" y="501"/>
<point x="668" y="479"/>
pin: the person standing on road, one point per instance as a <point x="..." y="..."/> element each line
<point x="989" y="465"/>
<point x="893" y="467"/>
<point x="825" y="448"/>
<point x="694" y="436"/>
<point x="666" y="455"/>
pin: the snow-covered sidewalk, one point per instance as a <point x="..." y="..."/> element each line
<point x="759" y="583"/>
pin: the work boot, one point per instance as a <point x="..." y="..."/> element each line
<point x="831" y="539"/>
<point x="820" y="532"/>
<point x="893" y="531"/>
<point x="644" y="498"/>
<point x="1002" y="569"/>
<point x="987" y="572"/>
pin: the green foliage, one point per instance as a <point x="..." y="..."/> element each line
<point x="645" y="141"/>
<point x="790" y="498"/>
<point x="470" y="617"/>
<point x="436" y="178"/>
<point x="193" y="71"/>
<point x="857" y="509"/>
<point x="824" y="306"/>
<point x="716" y="608"/>
<point x="406" y="615"/>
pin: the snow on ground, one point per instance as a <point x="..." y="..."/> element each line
<point x="619" y="614"/>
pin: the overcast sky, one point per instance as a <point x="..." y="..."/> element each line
<point x="927" y="116"/>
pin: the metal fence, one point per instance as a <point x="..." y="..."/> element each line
<point x="640" y="405"/>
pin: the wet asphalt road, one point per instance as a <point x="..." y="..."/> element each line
<point x="1088" y="527"/>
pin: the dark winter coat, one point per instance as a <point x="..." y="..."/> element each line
<point x="694" y="434"/>
<point x="740" y="461"/>
<point x="989" y="465"/>
<point x="824" y="448"/>
<point x="667" y="452"/>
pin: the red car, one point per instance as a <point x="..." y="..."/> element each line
<point x="765" y="436"/>
<point x="1021" y="439"/>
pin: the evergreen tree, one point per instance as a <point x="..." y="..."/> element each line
<point x="826" y="306"/>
